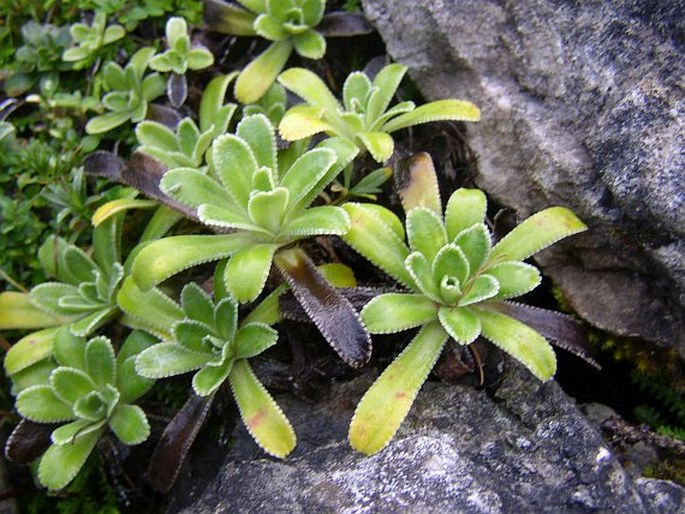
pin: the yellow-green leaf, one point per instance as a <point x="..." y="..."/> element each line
<point x="385" y="405"/>
<point x="263" y="418"/>
<point x="520" y="341"/>
<point x="537" y="232"/>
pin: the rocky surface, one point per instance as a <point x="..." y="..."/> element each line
<point x="523" y="447"/>
<point x="583" y="105"/>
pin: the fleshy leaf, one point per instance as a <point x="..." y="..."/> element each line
<point x="394" y="312"/>
<point x="209" y="378"/>
<point x="152" y="308"/>
<point x="564" y="331"/>
<point x="420" y="270"/>
<point x="386" y="83"/>
<point x="262" y="416"/>
<point x="29" y="350"/>
<point x="197" y="305"/>
<point x="457" y="110"/>
<point x="308" y="86"/>
<point x="356" y="89"/>
<point x="425" y="232"/>
<point x="259" y="134"/>
<point x="40" y="403"/>
<point x="213" y="99"/>
<point x="16" y="311"/>
<point x="302" y="121"/>
<point x="417" y="183"/>
<point x="483" y="287"/>
<point x="306" y="172"/>
<point x="70" y="384"/>
<point x="71" y="432"/>
<point x="193" y="188"/>
<point x="191" y="334"/>
<point x="310" y="44"/>
<point x="332" y="313"/>
<point x="101" y="361"/>
<point x="385" y="405"/>
<point x="537" y="232"/>
<point x="475" y="242"/>
<point x="235" y="165"/>
<point x="88" y="324"/>
<point x="130" y="384"/>
<point x="258" y="76"/>
<point x="465" y="208"/>
<point x="377" y="241"/>
<point x="327" y="219"/>
<point x="379" y="144"/>
<point x="515" y="278"/>
<point x="451" y="262"/>
<point x="520" y="341"/>
<point x="226" y="317"/>
<point x="61" y="463"/>
<point x="163" y="258"/>
<point x="247" y="270"/>
<point x="114" y="207"/>
<point x="69" y="349"/>
<point x="169" y="359"/>
<point x="252" y="339"/>
<point x="460" y="323"/>
<point x="46" y="296"/>
<point x="267" y="208"/>
<point x="130" y="424"/>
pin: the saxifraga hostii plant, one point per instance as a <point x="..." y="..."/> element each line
<point x="178" y="58"/>
<point x="130" y="91"/>
<point x="264" y="197"/>
<point x="363" y="118"/>
<point x="84" y="297"/>
<point x="91" y="39"/>
<point x="204" y="335"/>
<point x="187" y="145"/>
<point x="89" y="390"/>
<point x="457" y="285"/>
<point x="289" y="24"/>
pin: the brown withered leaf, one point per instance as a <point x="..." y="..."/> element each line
<point x="330" y="311"/>
<point x="178" y="437"/>
<point x="28" y="441"/>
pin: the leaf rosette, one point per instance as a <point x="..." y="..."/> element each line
<point x="456" y="278"/>
<point x="91" y="389"/>
<point x="129" y="92"/>
<point x="364" y="117"/>
<point x="206" y="338"/>
<point x="289" y="24"/>
<point x="264" y="199"/>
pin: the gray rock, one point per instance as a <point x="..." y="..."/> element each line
<point x="583" y="105"/>
<point x="524" y="448"/>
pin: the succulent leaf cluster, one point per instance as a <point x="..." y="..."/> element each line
<point x="207" y="338"/>
<point x="455" y="275"/>
<point x="180" y="55"/>
<point x="129" y="92"/>
<point x="187" y="145"/>
<point x="266" y="200"/>
<point x="90" y="390"/>
<point x="87" y="287"/>
<point x="90" y="39"/>
<point x="289" y="24"/>
<point x="363" y="117"/>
